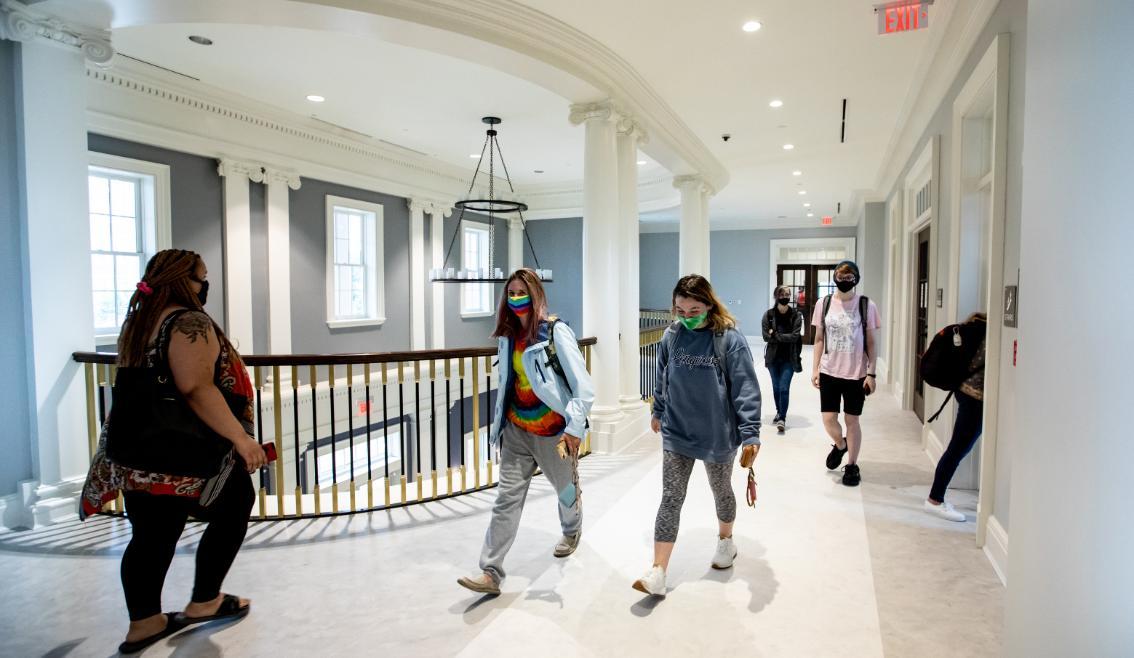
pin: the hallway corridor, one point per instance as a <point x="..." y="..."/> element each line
<point x="823" y="569"/>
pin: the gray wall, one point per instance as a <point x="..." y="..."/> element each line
<point x="15" y="404"/>
<point x="309" y="331"/>
<point x="559" y="245"/>
<point x="470" y="332"/>
<point x="739" y="263"/>
<point x="1010" y="17"/>
<point x="258" y="207"/>
<point x="196" y="205"/>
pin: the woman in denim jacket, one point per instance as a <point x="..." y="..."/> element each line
<point x="540" y="420"/>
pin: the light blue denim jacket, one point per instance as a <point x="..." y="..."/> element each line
<point x="546" y="384"/>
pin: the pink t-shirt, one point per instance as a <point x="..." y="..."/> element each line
<point x="845" y="356"/>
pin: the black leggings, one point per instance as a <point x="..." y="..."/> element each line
<point x="966" y="431"/>
<point x="157" y="522"/>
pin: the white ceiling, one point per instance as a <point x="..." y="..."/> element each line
<point x="392" y="82"/>
<point x="810" y="54"/>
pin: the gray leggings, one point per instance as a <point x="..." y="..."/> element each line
<point x="676" y="470"/>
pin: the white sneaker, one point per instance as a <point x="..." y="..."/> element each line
<point x="652" y="583"/>
<point x="725" y="555"/>
<point x="945" y="511"/>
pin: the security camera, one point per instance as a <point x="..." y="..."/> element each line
<point x="725" y="137"/>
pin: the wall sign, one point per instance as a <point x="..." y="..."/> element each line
<point x="1010" y="307"/>
<point x="903" y="16"/>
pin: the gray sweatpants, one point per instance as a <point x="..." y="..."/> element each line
<point x="520" y="454"/>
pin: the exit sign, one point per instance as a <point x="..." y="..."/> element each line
<point x="828" y="220"/>
<point x="902" y="16"/>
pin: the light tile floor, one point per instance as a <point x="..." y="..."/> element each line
<point x="823" y="570"/>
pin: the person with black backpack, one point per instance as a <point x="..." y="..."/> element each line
<point x="545" y="395"/>
<point x="783" y="333"/>
<point x="706" y="405"/>
<point x="845" y="323"/>
<point x="954" y="361"/>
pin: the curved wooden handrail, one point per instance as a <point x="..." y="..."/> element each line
<point x="358" y="358"/>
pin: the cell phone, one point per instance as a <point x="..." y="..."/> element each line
<point x="270" y="451"/>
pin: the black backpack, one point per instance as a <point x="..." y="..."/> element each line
<point x="947" y="361"/>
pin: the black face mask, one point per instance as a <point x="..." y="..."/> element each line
<point x="203" y="295"/>
<point x="845" y="286"/>
<point x="784" y="301"/>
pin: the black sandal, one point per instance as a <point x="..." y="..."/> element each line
<point x="228" y="609"/>
<point x="172" y="625"/>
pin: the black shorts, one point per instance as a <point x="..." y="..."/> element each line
<point x="832" y="390"/>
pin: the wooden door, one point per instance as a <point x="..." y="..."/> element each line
<point x="921" y="320"/>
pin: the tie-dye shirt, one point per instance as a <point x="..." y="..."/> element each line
<point x="525" y="409"/>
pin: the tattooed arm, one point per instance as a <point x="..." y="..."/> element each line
<point x="193" y="351"/>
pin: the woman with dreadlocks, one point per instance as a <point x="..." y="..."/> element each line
<point x="167" y="330"/>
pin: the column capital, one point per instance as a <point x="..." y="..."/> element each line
<point x="289" y="178"/>
<point x="602" y="111"/>
<point x="419" y="205"/>
<point x="20" y="23"/>
<point x="435" y="207"/>
<point x="230" y="167"/>
<point x="693" y="183"/>
<point x="628" y="126"/>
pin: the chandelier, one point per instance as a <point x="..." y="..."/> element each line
<point x="492" y="206"/>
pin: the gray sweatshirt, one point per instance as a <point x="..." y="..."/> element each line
<point x="691" y="395"/>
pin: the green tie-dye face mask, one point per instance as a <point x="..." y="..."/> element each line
<point x="695" y="321"/>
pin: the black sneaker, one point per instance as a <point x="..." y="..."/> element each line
<point x="781" y="425"/>
<point x="851" y="475"/>
<point x="835" y="457"/>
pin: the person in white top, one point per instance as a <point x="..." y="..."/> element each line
<point x="845" y="325"/>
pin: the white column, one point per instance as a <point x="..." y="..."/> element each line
<point x="691" y="233"/>
<point x="238" y="250"/>
<point x="1071" y="532"/>
<point x="418" y="272"/>
<point x="630" y="135"/>
<point x="55" y="224"/>
<point x="600" y="263"/>
<point x="515" y="244"/>
<point x="280" y="183"/>
<point x="706" y="232"/>
<point x="437" y="245"/>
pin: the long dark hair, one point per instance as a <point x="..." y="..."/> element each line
<point x="507" y="324"/>
<point x="165" y="283"/>
<point x="695" y="286"/>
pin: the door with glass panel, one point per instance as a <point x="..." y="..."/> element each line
<point x="921" y="320"/>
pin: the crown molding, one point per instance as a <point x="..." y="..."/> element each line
<point x="289" y="178"/>
<point x="20" y="23"/>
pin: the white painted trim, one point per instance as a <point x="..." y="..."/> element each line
<point x="344" y="324"/>
<point x="418" y="272"/>
<point x="486" y="314"/>
<point x="278" y="202"/>
<point x="469" y="223"/>
<point x="933" y="446"/>
<point x="238" y="249"/>
<point x="848" y="243"/>
<point x="437" y="248"/>
<point x="960" y="26"/>
<point x="997" y="549"/>
<point x="990" y="76"/>
<point x="378" y="275"/>
<point x="157" y="196"/>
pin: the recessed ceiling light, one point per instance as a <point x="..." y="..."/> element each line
<point x="776" y="103"/>
<point x="316" y="98"/>
<point x="802" y="192"/>
<point x="807" y="205"/>
<point x="751" y="26"/>
<point x="810" y="214"/>
<point x="641" y="162"/>
<point x="797" y="173"/>
<point x="474" y="155"/>
<point x="788" y="147"/>
<point x="204" y="41"/>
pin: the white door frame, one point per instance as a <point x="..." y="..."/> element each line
<point x="926" y="171"/>
<point x="991" y="76"/>
<point x="848" y="244"/>
<point x="886" y="359"/>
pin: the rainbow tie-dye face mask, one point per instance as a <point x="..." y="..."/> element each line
<point x="520" y="304"/>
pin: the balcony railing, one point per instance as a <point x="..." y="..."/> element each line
<point x="652" y="325"/>
<point x="358" y="432"/>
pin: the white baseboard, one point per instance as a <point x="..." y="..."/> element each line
<point x="613" y="438"/>
<point x="996" y="548"/>
<point x="13" y="514"/>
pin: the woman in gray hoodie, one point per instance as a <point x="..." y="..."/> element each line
<point x="706" y="405"/>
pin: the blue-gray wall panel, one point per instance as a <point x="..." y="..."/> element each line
<point x="258" y="207"/>
<point x="657" y="269"/>
<point x="308" y="234"/>
<point x="559" y="245"/>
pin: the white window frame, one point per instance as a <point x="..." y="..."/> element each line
<point x="485" y="288"/>
<point x="157" y="232"/>
<point x="376" y="302"/>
